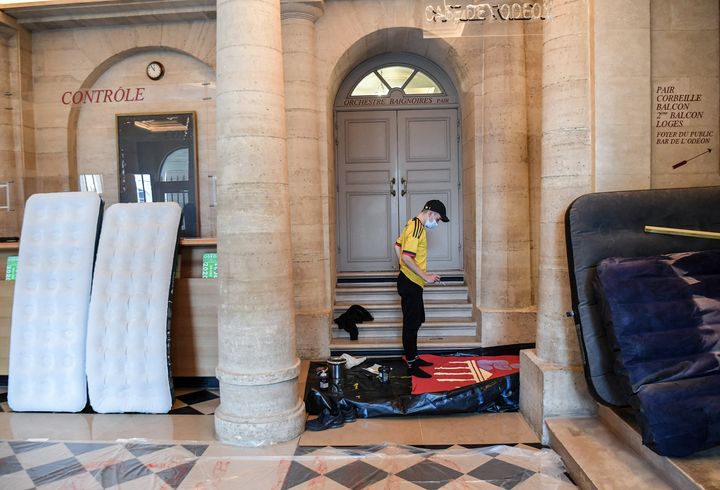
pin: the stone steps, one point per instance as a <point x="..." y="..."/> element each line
<point x="389" y="278"/>
<point x="441" y="327"/>
<point x="699" y="471"/>
<point x="390" y="310"/>
<point x="393" y="345"/>
<point x="596" y="459"/>
<point x="449" y="325"/>
<point x="363" y="294"/>
<point x="607" y="452"/>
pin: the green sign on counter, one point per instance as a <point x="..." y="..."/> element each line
<point x="209" y="266"/>
<point x="11" y="269"/>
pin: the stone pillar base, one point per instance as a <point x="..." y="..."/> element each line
<point x="506" y="327"/>
<point x="551" y="390"/>
<point x="260" y="431"/>
<point x="258" y="415"/>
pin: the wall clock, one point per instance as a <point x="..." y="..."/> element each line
<point x="155" y="70"/>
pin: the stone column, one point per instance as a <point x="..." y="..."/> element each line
<point x="551" y="375"/>
<point x="7" y="141"/>
<point x="312" y="303"/>
<point x="257" y="366"/>
<point x="506" y="279"/>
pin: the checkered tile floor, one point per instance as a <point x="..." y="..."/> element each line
<point x="139" y="465"/>
<point x="95" y="465"/>
<point x="195" y="402"/>
<point x="391" y="466"/>
<point x="188" y="401"/>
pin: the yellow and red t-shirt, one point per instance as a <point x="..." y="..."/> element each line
<point x="413" y="242"/>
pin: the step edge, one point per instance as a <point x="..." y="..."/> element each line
<point x="445" y="287"/>
<point x="398" y="324"/>
<point x="392" y="273"/>
<point x="454" y="321"/>
<point x="662" y="464"/>
<point x="453" y="338"/>
<point x="580" y="474"/>
<point x="397" y="342"/>
<point x="433" y="303"/>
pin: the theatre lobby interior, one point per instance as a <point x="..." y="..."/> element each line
<point x="359" y="244"/>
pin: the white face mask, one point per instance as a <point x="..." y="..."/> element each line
<point x="430" y="224"/>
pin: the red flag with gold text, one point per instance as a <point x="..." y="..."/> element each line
<point x="451" y="372"/>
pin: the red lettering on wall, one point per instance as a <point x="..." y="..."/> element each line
<point x="103" y="96"/>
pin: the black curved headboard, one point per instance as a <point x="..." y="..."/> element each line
<point x="611" y="224"/>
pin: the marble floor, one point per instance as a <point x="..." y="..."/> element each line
<point x="138" y="451"/>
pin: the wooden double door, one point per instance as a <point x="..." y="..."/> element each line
<point x="390" y="163"/>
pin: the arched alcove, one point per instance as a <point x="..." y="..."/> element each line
<point x="188" y="85"/>
<point x="390" y="41"/>
<point x="397" y="129"/>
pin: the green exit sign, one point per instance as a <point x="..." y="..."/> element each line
<point x="11" y="268"/>
<point x="209" y="270"/>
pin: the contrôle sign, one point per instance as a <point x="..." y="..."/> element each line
<point x="103" y="95"/>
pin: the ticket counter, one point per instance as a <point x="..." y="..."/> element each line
<point x="194" y="312"/>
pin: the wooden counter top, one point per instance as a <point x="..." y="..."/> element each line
<point x="184" y="242"/>
<point x="198" y="242"/>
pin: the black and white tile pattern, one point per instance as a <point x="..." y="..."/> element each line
<point x="188" y="401"/>
<point x="195" y="401"/>
<point x="95" y="465"/>
<point x="430" y="468"/>
<point x="143" y="465"/>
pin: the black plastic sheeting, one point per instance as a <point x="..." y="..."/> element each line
<point x="371" y="398"/>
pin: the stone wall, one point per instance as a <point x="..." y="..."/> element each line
<point x="653" y="61"/>
<point x="8" y="150"/>
<point x="16" y="124"/>
<point x="622" y="95"/>
<point x="685" y="92"/>
<point x="110" y="58"/>
<point x="187" y="86"/>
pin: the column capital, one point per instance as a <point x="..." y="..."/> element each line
<point x="310" y="10"/>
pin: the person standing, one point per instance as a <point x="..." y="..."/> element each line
<point x="411" y="251"/>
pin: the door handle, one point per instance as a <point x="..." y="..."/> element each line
<point x="392" y="187"/>
<point x="404" y="183"/>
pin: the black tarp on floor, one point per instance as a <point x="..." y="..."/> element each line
<point x="372" y="398"/>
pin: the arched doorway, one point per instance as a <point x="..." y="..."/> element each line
<point x="397" y="136"/>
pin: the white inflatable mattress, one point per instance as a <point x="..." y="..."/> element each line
<point x="50" y="304"/>
<point x="127" y="341"/>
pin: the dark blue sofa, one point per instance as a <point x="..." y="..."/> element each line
<point x="649" y="321"/>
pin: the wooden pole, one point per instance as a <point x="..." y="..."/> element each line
<point x="682" y="232"/>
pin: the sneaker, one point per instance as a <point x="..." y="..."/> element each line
<point x="415" y="370"/>
<point x="421" y="362"/>
<point x="326" y="420"/>
<point x="347" y="411"/>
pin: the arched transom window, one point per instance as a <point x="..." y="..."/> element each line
<point x="406" y="78"/>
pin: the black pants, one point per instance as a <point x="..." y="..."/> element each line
<point x="413" y="308"/>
